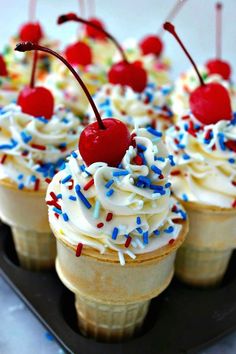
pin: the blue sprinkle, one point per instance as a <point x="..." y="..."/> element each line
<point x="109" y="183"/>
<point x="59" y="196"/>
<point x="141" y="147"/>
<point x="183" y="214"/>
<point x="66" y="179"/>
<point x="156" y="187"/>
<point x="145" y="237"/>
<point x="185" y="197"/>
<point x="43" y="120"/>
<point x="161" y="192"/>
<point x="141" y="154"/>
<point x="221" y="141"/>
<point x="167" y="185"/>
<point x="110" y="192"/>
<point x="33" y="179"/>
<point x="62" y="145"/>
<point x="231" y="160"/>
<point x="186" y="156"/>
<point x="155" y="169"/>
<point x="162" y="159"/>
<point x="83" y="169"/>
<point x="140" y="231"/>
<point x="171" y="159"/>
<point x="120" y="165"/>
<point x="65" y="217"/>
<point x="65" y="120"/>
<point x="25" y="137"/>
<point x="114" y="233"/>
<point x="83" y="199"/>
<point x="74" y="154"/>
<point x="49" y="336"/>
<point x="156" y="232"/>
<point x="71" y="197"/>
<point x="233" y="121"/>
<point x="20" y="176"/>
<point x="138" y="220"/>
<point x="58" y="211"/>
<point x="180" y="146"/>
<point x="154" y="132"/>
<point x="143" y="181"/>
<point x="169" y="230"/>
<point x="120" y="173"/>
<point x="20" y="186"/>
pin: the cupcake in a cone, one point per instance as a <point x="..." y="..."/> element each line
<point x="34" y="140"/>
<point x="114" y="220"/>
<point x="203" y="143"/>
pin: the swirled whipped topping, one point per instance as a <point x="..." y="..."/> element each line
<point x="33" y="149"/>
<point x="66" y="89"/>
<point x="205" y="157"/>
<point x="151" y="107"/>
<point x="128" y="209"/>
<point x="158" y="68"/>
<point x="188" y="81"/>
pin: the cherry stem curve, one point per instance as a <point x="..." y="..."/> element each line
<point x="171" y="28"/>
<point x="173" y="12"/>
<point x="28" y="46"/>
<point x="218" y="30"/>
<point x="73" y="17"/>
<point x="32" y="79"/>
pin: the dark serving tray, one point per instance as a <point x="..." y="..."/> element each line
<point x="181" y="320"/>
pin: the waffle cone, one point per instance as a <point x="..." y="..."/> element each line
<point x="112" y="300"/>
<point x="204" y="256"/>
<point x="26" y="213"/>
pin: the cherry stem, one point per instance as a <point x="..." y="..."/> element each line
<point x="32" y="79"/>
<point x="73" y="17"/>
<point x="171" y="28"/>
<point x="28" y="46"/>
<point x="32" y="10"/>
<point x="218" y="29"/>
<point x="173" y="12"/>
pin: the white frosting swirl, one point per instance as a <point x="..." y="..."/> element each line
<point x="206" y="161"/>
<point x="151" y="107"/>
<point x="103" y="207"/>
<point x="34" y="148"/>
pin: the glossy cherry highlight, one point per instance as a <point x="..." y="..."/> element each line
<point x="209" y="103"/>
<point x="123" y="73"/>
<point x="36" y="101"/>
<point x="104" y="140"/>
<point x="219" y="66"/>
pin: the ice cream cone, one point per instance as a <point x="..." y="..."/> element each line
<point x="25" y="211"/>
<point x="112" y="300"/>
<point x="205" y="254"/>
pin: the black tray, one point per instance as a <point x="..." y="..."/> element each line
<point x="181" y="320"/>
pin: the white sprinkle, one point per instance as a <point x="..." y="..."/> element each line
<point x="121" y="258"/>
<point x="131" y="254"/>
<point x="140" y="244"/>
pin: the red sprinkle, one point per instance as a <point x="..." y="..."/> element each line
<point x="161" y="176"/>
<point x="208" y="135"/>
<point x="231" y="144"/>
<point x="171" y="241"/>
<point x="53" y="203"/>
<point x="48" y="180"/>
<point x="53" y="195"/>
<point x="174" y="208"/>
<point x="234" y="183"/>
<point x="36" y="184"/>
<point x="109" y="217"/>
<point x="3" y="159"/>
<point x="79" y="249"/>
<point x="100" y="225"/>
<point x="39" y="147"/>
<point x="133" y="142"/>
<point x="56" y="215"/>
<point x="25" y="153"/>
<point x="89" y="184"/>
<point x="138" y="160"/>
<point x="234" y="204"/>
<point x="185" y="117"/>
<point x="127" y="242"/>
<point x="175" y="173"/>
<point x="71" y="185"/>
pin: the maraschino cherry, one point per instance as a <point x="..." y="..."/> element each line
<point x="153" y="44"/>
<point x="209" y="103"/>
<point x="90" y="31"/>
<point x="3" y="67"/>
<point x="36" y="101"/>
<point x="105" y="140"/>
<point x="219" y="66"/>
<point x="31" y="31"/>
<point x="123" y="73"/>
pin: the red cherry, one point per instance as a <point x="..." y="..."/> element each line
<point x="31" y="32"/>
<point x="105" y="140"/>
<point x="210" y="103"/>
<point x="128" y="74"/>
<point x="3" y="67"/>
<point x="151" y="45"/>
<point x="123" y="73"/>
<point x="94" y="33"/>
<point x="94" y="142"/>
<point x="217" y="66"/>
<point x="79" y="54"/>
<point x="37" y="101"/>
